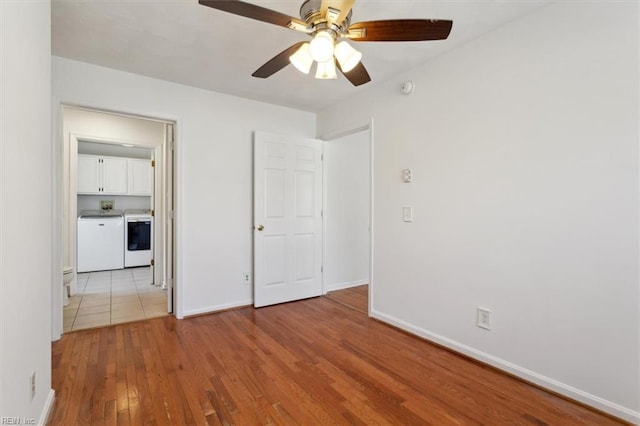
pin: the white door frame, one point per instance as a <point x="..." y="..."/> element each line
<point x="328" y="137"/>
<point x="58" y="191"/>
<point x="168" y="205"/>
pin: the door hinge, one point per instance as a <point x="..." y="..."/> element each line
<point x="153" y="163"/>
<point x="153" y="213"/>
<point x="321" y="212"/>
<point x="153" y="262"/>
<point x="171" y="214"/>
<point x="321" y="157"/>
<point x="321" y="268"/>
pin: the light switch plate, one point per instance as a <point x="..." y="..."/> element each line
<point x="407" y="175"/>
<point x="407" y="214"/>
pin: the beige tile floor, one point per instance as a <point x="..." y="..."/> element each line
<point x="113" y="297"/>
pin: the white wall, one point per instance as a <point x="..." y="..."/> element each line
<point x="524" y="146"/>
<point x="121" y="202"/>
<point x="347" y="211"/>
<point x="214" y="170"/>
<point x="25" y="209"/>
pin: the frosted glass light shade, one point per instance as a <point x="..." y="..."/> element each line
<point x="347" y="56"/>
<point x="302" y="59"/>
<point x="326" y="70"/>
<point x="321" y="47"/>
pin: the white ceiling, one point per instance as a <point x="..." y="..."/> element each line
<point x="184" y="42"/>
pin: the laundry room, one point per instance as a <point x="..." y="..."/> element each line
<point x="114" y="184"/>
<point x="113" y="203"/>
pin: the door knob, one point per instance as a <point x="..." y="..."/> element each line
<point x="259" y="227"/>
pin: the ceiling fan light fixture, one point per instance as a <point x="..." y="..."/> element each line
<point x="302" y="59"/>
<point x="326" y="70"/>
<point x="327" y="22"/>
<point x="347" y="56"/>
<point x="321" y="47"/>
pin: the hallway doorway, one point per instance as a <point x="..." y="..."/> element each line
<point x="347" y="217"/>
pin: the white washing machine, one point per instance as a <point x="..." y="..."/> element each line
<point x="100" y="240"/>
<point x="138" y="241"/>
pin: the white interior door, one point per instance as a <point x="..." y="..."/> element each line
<point x="287" y="218"/>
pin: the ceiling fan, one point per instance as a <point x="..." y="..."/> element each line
<point x="328" y="22"/>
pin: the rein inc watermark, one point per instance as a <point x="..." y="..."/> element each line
<point x="17" y="421"/>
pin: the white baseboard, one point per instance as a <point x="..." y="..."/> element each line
<point x="216" y="308"/>
<point x="48" y="405"/>
<point x="528" y="375"/>
<point x="344" y="285"/>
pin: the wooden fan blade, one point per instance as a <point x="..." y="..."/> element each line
<point x="276" y="63"/>
<point x="344" y="6"/>
<point x="252" y="11"/>
<point x="400" y="30"/>
<point x="357" y="76"/>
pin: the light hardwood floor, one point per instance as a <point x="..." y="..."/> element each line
<point x="354" y="297"/>
<point x="310" y="362"/>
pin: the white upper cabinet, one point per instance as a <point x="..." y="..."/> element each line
<point x="114" y="175"/>
<point x="89" y="181"/>
<point x="102" y="175"/>
<point x="140" y="177"/>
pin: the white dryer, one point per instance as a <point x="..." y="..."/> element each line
<point x="138" y="240"/>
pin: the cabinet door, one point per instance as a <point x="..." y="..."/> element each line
<point x="114" y="175"/>
<point x="140" y="177"/>
<point x="88" y="174"/>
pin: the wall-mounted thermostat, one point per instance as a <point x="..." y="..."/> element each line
<point x="407" y="175"/>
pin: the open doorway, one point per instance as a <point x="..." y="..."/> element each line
<point x="117" y="218"/>
<point x="347" y="218"/>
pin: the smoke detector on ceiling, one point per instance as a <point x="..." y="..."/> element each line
<point x="407" y="87"/>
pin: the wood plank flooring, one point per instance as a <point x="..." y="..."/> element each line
<point x="309" y="362"/>
<point x="354" y="297"/>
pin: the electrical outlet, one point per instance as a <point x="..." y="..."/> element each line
<point x="483" y="318"/>
<point x="32" y="386"/>
<point x="246" y="278"/>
